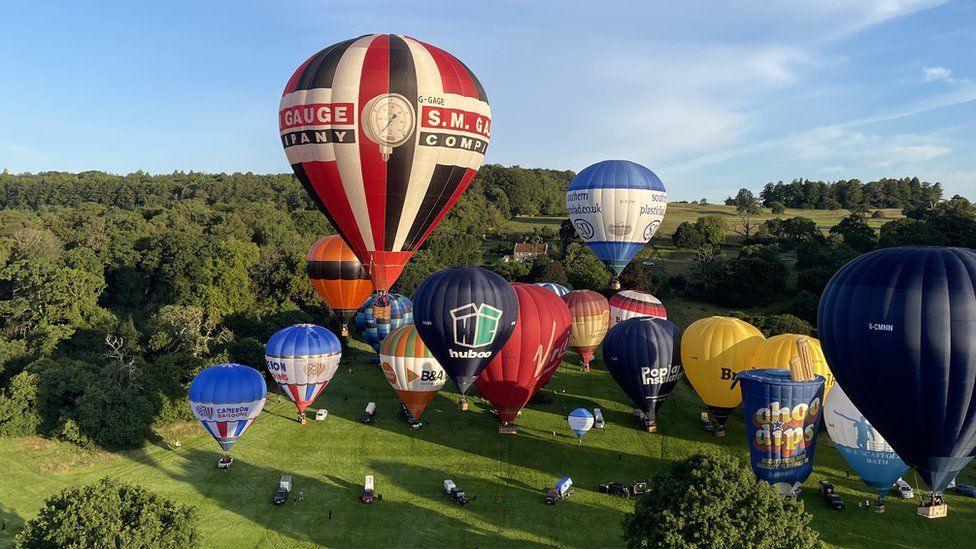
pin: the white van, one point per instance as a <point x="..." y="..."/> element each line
<point x="598" y="419"/>
<point x="369" y="412"/>
<point x="320" y="415"/>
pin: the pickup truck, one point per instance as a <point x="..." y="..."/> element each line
<point x="562" y="490"/>
<point x="457" y="495"/>
<point x="830" y="496"/>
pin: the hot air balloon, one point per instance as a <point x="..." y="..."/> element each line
<point x="339" y="278"/>
<point x="465" y="315"/>
<point x="380" y="315"/>
<point x="580" y="421"/>
<point x="898" y="328"/>
<point x="302" y="359"/>
<point x="776" y="352"/>
<point x="412" y="371"/>
<point x="385" y="133"/>
<point x="616" y="207"/>
<point x="591" y="320"/>
<point x="782" y="422"/>
<point x="713" y="351"/>
<point x="642" y="354"/>
<point x="530" y="356"/>
<point x="559" y="289"/>
<point x="226" y="398"/>
<point x="865" y="450"/>
<point x="633" y="304"/>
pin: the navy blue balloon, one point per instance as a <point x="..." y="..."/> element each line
<point x="898" y="329"/>
<point x="465" y="315"/>
<point x="644" y="357"/>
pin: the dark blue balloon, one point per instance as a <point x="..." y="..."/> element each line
<point x="465" y="315"/>
<point x="380" y="315"/>
<point x="782" y="422"/>
<point x="898" y="329"/>
<point x="644" y="357"/>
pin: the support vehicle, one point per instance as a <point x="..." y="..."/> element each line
<point x="284" y="488"/>
<point x="903" y="489"/>
<point x="598" y="419"/>
<point x="225" y="462"/>
<point x="406" y="414"/>
<point x="615" y="489"/>
<point x="369" y="412"/>
<point x="369" y="494"/>
<point x="320" y="415"/>
<point x="562" y="490"/>
<point x="638" y="487"/>
<point x="456" y="494"/>
<point x="967" y="490"/>
<point x="830" y="496"/>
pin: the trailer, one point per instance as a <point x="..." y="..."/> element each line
<point x="369" y="412"/>
<point x="562" y="490"/>
<point x="456" y="494"/>
<point x="369" y="495"/>
<point x="284" y="488"/>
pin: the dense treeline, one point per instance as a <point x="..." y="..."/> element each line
<point x="850" y="194"/>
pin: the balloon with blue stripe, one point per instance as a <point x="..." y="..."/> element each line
<point x="558" y="289"/>
<point x="226" y="398"/>
<point x="302" y="360"/>
<point x="380" y="315"/>
<point x="616" y="207"/>
<point x="580" y="421"/>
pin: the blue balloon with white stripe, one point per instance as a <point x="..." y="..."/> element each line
<point x="558" y="289"/>
<point x="226" y="399"/>
<point x="580" y="421"/>
<point x="302" y="359"/>
<point x="616" y="207"/>
<point x="381" y="314"/>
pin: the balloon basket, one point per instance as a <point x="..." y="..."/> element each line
<point x="507" y="429"/>
<point x="879" y="507"/>
<point x="464" y="405"/>
<point x="651" y="427"/>
<point x="718" y="432"/>
<point x="933" y="511"/>
<point x="303" y="420"/>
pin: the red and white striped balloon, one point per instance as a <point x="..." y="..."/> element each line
<point x="631" y="303"/>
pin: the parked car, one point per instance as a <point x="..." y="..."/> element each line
<point x="369" y="495"/>
<point x="615" y="489"/>
<point x="225" y="462"/>
<point x="406" y="414"/>
<point x="598" y="419"/>
<point x="903" y="489"/>
<point x="284" y="488"/>
<point x="320" y="415"/>
<point x="967" y="490"/>
<point x="457" y="495"/>
<point x="830" y="496"/>
<point x="562" y="490"/>
<point x="369" y="412"/>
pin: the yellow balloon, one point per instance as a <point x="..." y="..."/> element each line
<point x="777" y="351"/>
<point x="713" y="350"/>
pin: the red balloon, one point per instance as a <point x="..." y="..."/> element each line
<point x="532" y="354"/>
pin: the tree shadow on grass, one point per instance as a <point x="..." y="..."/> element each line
<point x="12" y="523"/>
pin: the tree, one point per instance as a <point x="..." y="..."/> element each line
<point x="756" y="276"/>
<point x="707" y="231"/>
<point x="777" y="207"/>
<point x="546" y="269"/>
<point x="856" y="233"/>
<point x="113" y="515"/>
<point x="747" y="207"/>
<point x="714" y="500"/>
<point x="584" y="270"/>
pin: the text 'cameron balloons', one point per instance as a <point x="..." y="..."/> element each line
<point x="385" y="133"/>
<point x="532" y="353"/>
<point x="865" y="450"/>
<point x="642" y="355"/>
<point x="898" y="328"/>
<point x="338" y="277"/>
<point x="713" y="351"/>
<point x="465" y="315"/>
<point x="616" y="207"/>
<point x="632" y="304"/>
<point x="782" y="421"/>
<point x="777" y="351"/>
<point x="302" y="359"/>
<point x="412" y="371"/>
<point x="226" y="399"/>
<point x="580" y="421"/>
<point x="590" y="312"/>
<point x="380" y="315"/>
<point x="559" y="289"/>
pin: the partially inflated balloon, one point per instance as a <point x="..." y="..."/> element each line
<point x="338" y="277"/>
<point x="616" y="207"/>
<point x="898" y="328"/>
<point x="465" y="315"/>
<point x="226" y="399"/>
<point x="591" y="320"/>
<point x="380" y="315"/>
<point x="777" y="351"/>
<point x="865" y="450"/>
<point x="713" y="351"/>
<point x="412" y="371"/>
<point x="632" y="304"/>
<point x="532" y="353"/>
<point x="302" y="359"/>
<point x="559" y="289"/>
<point x="385" y="133"/>
<point x="642" y="355"/>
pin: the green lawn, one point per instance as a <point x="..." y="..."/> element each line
<point x="329" y="459"/>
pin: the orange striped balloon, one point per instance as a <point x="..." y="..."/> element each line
<point x="591" y="319"/>
<point x="338" y="277"/>
<point x="412" y="371"/>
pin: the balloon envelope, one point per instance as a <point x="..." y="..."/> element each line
<point x="385" y="133"/>
<point x="865" y="450"/>
<point x="642" y="354"/>
<point x="225" y="399"/>
<point x="302" y="359"/>
<point x="777" y="351"/>
<point x="465" y="315"/>
<point x="412" y="371"/>
<point x="580" y="421"/>
<point x="590" y="312"/>
<point x="782" y="422"/>
<point x="532" y="353"/>
<point x="559" y="289"/>
<point x="338" y="277"/>
<point x="616" y="207"/>
<point x="713" y="350"/>
<point x="380" y="315"/>
<point x="898" y="328"/>
<point x="632" y="304"/>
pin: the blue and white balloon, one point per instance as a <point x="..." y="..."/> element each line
<point x="580" y="421"/>
<point x="558" y="289"/>
<point x="226" y="398"/>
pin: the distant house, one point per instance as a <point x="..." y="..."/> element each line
<point x="526" y="251"/>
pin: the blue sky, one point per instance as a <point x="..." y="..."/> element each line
<point x="712" y="96"/>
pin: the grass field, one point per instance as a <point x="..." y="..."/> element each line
<point x="507" y="473"/>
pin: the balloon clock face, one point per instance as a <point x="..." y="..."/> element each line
<point x="389" y="120"/>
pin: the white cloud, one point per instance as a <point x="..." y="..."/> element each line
<point x="932" y="74"/>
